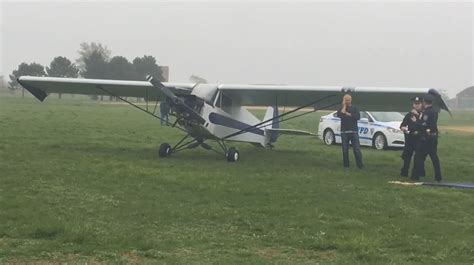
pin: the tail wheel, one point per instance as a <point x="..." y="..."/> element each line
<point x="232" y="155"/>
<point x="329" y="137"/>
<point x="379" y="141"/>
<point x="165" y="150"/>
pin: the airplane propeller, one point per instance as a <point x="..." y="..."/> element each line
<point x="179" y="101"/>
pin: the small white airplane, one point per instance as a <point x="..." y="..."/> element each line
<point x="216" y="112"/>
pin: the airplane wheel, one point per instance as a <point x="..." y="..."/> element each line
<point x="232" y="155"/>
<point x="165" y="150"/>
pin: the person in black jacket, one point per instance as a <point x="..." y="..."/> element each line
<point x="349" y="131"/>
<point x="412" y="130"/>
<point x="429" y="141"/>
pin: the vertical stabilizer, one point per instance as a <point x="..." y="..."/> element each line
<point x="272" y="112"/>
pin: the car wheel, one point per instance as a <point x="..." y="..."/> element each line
<point x="379" y="141"/>
<point x="165" y="150"/>
<point x="329" y="137"/>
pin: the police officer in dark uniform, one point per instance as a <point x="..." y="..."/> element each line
<point x="429" y="140"/>
<point x="412" y="130"/>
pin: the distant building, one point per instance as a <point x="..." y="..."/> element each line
<point x="165" y="72"/>
<point x="465" y="99"/>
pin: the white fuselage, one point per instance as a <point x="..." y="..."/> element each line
<point x="224" y="117"/>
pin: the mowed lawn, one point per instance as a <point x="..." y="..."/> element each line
<point x="81" y="181"/>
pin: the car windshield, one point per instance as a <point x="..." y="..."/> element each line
<point x="387" y="116"/>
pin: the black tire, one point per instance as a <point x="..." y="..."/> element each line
<point x="232" y="155"/>
<point x="379" y="142"/>
<point x="165" y="150"/>
<point x="329" y="138"/>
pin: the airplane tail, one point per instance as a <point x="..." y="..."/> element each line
<point x="273" y="130"/>
<point x="271" y="135"/>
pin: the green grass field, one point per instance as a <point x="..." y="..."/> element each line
<point x="81" y="182"/>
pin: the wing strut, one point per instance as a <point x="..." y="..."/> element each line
<point x="136" y="106"/>
<point x="308" y="112"/>
<point x="284" y="114"/>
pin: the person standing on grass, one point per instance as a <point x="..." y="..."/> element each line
<point x="412" y="131"/>
<point x="164" y="112"/>
<point x="429" y="142"/>
<point x="349" y="115"/>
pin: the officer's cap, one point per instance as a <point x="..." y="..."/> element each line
<point x="416" y="99"/>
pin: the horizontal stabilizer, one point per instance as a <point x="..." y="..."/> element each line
<point x="290" y="132"/>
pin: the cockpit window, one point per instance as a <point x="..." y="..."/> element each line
<point x="224" y="102"/>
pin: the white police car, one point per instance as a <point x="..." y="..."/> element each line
<point x="377" y="129"/>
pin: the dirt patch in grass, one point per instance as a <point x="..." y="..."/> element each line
<point x="458" y="129"/>
<point x="69" y="259"/>
<point x="132" y="258"/>
<point x="299" y="255"/>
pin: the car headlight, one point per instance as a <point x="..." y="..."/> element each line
<point x="393" y="130"/>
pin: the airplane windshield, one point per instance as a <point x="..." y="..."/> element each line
<point x="387" y="116"/>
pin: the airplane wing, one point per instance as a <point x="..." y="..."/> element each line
<point x="365" y="98"/>
<point x="40" y="87"/>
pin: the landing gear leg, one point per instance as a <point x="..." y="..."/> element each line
<point x="231" y="154"/>
<point x="166" y="149"/>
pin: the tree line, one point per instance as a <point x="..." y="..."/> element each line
<point x="94" y="61"/>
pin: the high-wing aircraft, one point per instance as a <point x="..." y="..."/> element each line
<point x="217" y="113"/>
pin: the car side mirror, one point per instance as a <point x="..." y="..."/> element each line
<point x="364" y="120"/>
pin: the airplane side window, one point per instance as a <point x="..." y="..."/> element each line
<point x="214" y="99"/>
<point x="218" y="100"/>
<point x="225" y="103"/>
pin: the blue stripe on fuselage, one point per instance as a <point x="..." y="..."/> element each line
<point x="231" y="123"/>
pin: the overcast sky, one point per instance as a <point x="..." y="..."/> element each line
<point x="320" y="43"/>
